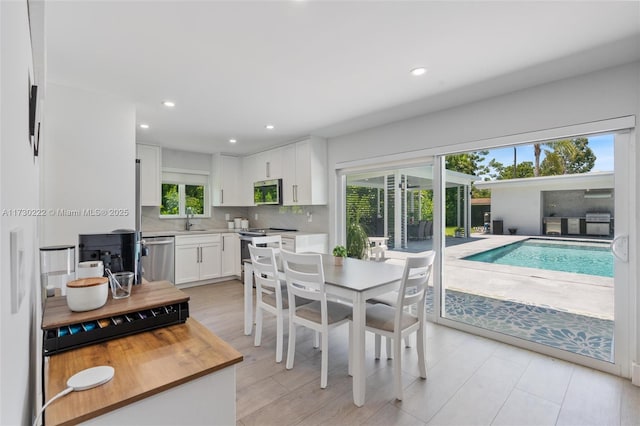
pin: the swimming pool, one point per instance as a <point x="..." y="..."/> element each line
<point x="555" y="255"/>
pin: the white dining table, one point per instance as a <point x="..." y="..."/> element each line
<point x="356" y="280"/>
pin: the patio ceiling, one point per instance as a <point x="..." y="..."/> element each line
<point x="418" y="178"/>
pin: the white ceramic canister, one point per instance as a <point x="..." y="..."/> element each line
<point x="92" y="268"/>
<point x="244" y="224"/>
<point x="231" y="225"/>
<point x="237" y="222"/>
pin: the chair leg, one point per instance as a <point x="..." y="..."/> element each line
<point x="292" y="344"/>
<point x="316" y="340"/>
<point x="325" y="359"/>
<point x="397" y="367"/>
<point x="422" y="361"/>
<point x="378" y="338"/>
<point x="279" y="336"/>
<point x="389" y="342"/>
<point x="407" y="342"/>
<point x="258" y="336"/>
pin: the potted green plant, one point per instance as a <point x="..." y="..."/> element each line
<point x="458" y="232"/>
<point x="339" y="253"/>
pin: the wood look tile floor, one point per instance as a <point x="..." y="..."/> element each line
<point x="470" y="380"/>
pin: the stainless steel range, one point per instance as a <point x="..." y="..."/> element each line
<point x="598" y="223"/>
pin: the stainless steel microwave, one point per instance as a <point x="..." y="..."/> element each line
<point x="267" y="192"/>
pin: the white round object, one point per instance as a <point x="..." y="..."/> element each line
<point x="87" y="294"/>
<point x="91" y="377"/>
<point x="93" y="268"/>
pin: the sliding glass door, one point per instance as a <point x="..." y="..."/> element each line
<point x="535" y="261"/>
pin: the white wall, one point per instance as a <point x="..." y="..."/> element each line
<point x="19" y="182"/>
<point x="517" y="208"/>
<point x="89" y="163"/>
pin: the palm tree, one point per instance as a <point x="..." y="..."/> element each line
<point x="536" y="154"/>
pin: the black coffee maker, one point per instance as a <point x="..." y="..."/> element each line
<point x="117" y="251"/>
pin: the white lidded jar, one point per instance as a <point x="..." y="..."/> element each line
<point x="87" y="294"/>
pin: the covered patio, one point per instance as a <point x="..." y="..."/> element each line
<point x="398" y="204"/>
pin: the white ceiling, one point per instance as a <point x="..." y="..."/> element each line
<point x="320" y="67"/>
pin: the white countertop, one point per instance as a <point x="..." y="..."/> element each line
<point x="173" y="233"/>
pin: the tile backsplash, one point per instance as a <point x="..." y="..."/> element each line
<point x="292" y="217"/>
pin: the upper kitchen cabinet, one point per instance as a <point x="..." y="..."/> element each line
<point x="227" y="181"/>
<point x="304" y="178"/>
<point x="150" y="174"/>
<point x="268" y="164"/>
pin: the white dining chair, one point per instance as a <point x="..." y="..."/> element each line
<point x="397" y="322"/>
<point x="305" y="279"/>
<point x="269" y="294"/>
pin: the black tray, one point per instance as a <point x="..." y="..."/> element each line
<point x="73" y="336"/>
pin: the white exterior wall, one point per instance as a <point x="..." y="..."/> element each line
<point x="518" y="208"/>
<point x="89" y="163"/>
<point x="19" y="181"/>
<point x="519" y="202"/>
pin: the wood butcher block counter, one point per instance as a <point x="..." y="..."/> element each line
<point x="178" y="374"/>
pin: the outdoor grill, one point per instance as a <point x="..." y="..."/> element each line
<point x="598" y="223"/>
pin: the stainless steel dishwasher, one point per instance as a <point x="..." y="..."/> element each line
<point x="158" y="264"/>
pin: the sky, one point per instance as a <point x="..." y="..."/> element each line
<point x="601" y="145"/>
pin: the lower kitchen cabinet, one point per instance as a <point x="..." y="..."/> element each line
<point x="230" y="254"/>
<point x="198" y="257"/>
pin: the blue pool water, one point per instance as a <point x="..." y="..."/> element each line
<point x="566" y="256"/>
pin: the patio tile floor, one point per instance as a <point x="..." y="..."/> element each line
<point x="584" y="335"/>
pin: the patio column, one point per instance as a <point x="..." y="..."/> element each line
<point x="467" y="211"/>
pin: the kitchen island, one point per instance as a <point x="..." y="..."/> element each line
<point x="179" y="374"/>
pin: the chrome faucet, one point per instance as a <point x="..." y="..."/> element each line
<point x="188" y="224"/>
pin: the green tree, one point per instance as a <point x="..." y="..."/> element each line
<point x="523" y="170"/>
<point x="170" y="199"/>
<point x="469" y="163"/>
<point x="568" y="156"/>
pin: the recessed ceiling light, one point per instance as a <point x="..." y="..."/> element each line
<point x="418" y="71"/>
<point x="144" y="126"/>
<point x="232" y="141"/>
<point x="169" y="104"/>
<point x="269" y="127"/>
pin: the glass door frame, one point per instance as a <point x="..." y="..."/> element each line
<point x="626" y="339"/>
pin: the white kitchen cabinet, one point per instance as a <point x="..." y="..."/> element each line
<point x="230" y="254"/>
<point x="304" y="177"/>
<point x="301" y="242"/>
<point x="150" y="174"/>
<point x="226" y="181"/>
<point x="197" y="257"/>
<point x="268" y="164"/>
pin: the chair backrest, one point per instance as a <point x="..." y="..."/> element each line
<point x="305" y="276"/>
<point x="413" y="287"/>
<point x="421" y="225"/>
<point x="265" y="271"/>
<point x="274" y="241"/>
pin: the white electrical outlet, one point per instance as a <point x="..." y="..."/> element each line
<point x="227" y="216"/>
<point x="309" y="217"/>
<point x="255" y="217"/>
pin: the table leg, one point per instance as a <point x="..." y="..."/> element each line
<point x="248" y="298"/>
<point x="358" y="370"/>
